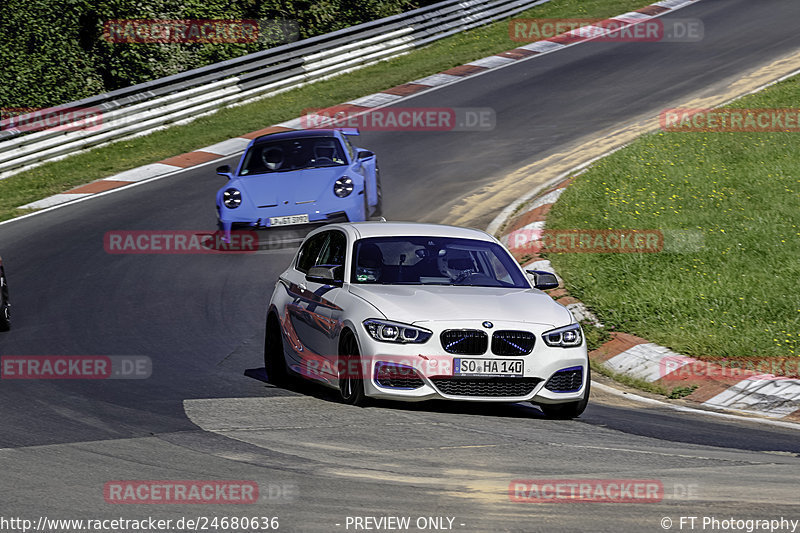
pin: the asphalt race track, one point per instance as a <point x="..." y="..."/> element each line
<point x="205" y="414"/>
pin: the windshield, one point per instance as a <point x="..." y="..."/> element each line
<point x="293" y="154"/>
<point x="434" y="261"/>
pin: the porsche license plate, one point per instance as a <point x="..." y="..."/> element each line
<point x="488" y="367"/>
<point x="288" y="221"/>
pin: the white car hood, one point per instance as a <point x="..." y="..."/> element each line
<point x="424" y="303"/>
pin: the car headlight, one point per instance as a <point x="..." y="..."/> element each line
<point x="232" y="198"/>
<point x="343" y="187"/>
<point x="566" y="337"/>
<point x="388" y="331"/>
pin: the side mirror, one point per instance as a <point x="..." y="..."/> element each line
<point x="324" y="275"/>
<point x="364" y="154"/>
<point x="225" y="170"/>
<point x="543" y="280"/>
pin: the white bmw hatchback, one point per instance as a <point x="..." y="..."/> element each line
<point x="410" y="311"/>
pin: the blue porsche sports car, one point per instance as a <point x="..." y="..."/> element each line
<point x="300" y="177"/>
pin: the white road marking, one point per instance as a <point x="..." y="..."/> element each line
<point x="683" y="409"/>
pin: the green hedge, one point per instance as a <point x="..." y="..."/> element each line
<point x="54" y="51"/>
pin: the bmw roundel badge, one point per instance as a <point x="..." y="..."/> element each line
<point x="488" y="325"/>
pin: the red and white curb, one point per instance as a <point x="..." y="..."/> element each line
<point x="364" y="104"/>
<point x="717" y="387"/>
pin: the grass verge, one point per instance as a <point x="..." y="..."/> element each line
<point x="733" y="293"/>
<point x="60" y="176"/>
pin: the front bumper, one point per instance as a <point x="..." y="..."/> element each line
<point x="348" y="209"/>
<point x="425" y="371"/>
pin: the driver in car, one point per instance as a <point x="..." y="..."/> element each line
<point x="457" y="264"/>
<point x="325" y="152"/>
<point x="273" y="158"/>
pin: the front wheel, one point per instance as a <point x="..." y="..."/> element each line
<point x="351" y="385"/>
<point x="565" y="411"/>
<point x="274" y="360"/>
<point x="5" y="307"/>
<point x="379" y="203"/>
<point x="365" y="212"/>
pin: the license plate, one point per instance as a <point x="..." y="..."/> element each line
<point x="289" y="220"/>
<point x="488" y="367"/>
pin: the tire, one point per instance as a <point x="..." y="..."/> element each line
<point x="274" y="360"/>
<point x="566" y="411"/>
<point x="5" y="307"/>
<point x="366" y="206"/>
<point x="379" y="205"/>
<point x="351" y="386"/>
